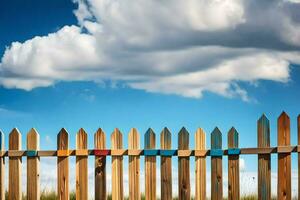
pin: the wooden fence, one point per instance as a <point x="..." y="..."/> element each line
<point x="117" y="151"/>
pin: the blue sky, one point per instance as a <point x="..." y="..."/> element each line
<point x="115" y="73"/>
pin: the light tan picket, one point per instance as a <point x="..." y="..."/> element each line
<point x="81" y="165"/>
<point x="117" y="166"/>
<point x="200" y="166"/>
<point x="33" y="166"/>
<point x="150" y="167"/>
<point x="15" y="167"/>
<point x="134" y="165"/>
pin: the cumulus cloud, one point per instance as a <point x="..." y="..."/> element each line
<point x="171" y="47"/>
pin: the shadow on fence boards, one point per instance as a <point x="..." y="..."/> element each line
<point x="134" y="151"/>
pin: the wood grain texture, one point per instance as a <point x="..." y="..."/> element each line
<point x="81" y="166"/>
<point x="216" y="167"/>
<point x="63" y="166"/>
<point x="134" y="166"/>
<point x="15" y="167"/>
<point x="284" y="159"/>
<point x="100" y="167"/>
<point x="166" y="166"/>
<point x="2" y="168"/>
<point x="264" y="160"/>
<point x="200" y="191"/>
<point x="150" y="167"/>
<point x="233" y="167"/>
<point x="117" y="166"/>
<point x="298" y="125"/>
<point x="33" y="166"/>
<point x="184" y="187"/>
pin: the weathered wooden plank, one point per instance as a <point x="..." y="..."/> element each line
<point x="216" y="167"/>
<point x="184" y="187"/>
<point x="63" y="166"/>
<point x="150" y="167"/>
<point x="81" y="166"/>
<point x="2" y="168"/>
<point x="298" y="124"/>
<point x="15" y="167"/>
<point x="117" y="166"/>
<point x="134" y="166"/>
<point x="166" y="166"/>
<point x="33" y="166"/>
<point x="200" y="166"/>
<point x="233" y="167"/>
<point x="100" y="167"/>
<point x="264" y="160"/>
<point x="284" y="159"/>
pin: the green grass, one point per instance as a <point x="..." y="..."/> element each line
<point x="45" y="195"/>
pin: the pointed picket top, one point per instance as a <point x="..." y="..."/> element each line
<point x="216" y="139"/>
<point x="116" y="139"/>
<point x="99" y="139"/>
<point x="1" y="140"/>
<point x="149" y="139"/>
<point x="283" y="127"/>
<point x="81" y="139"/>
<point x="165" y="139"/>
<point x="134" y="139"/>
<point x="200" y="131"/>
<point x="283" y="117"/>
<point x="183" y="139"/>
<point x="263" y="119"/>
<point x="233" y="138"/>
<point x="63" y="139"/>
<point x="200" y="139"/>
<point x="15" y="141"/>
<point x="33" y="140"/>
<point x="263" y="131"/>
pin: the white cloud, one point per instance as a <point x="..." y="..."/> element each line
<point x="242" y="164"/>
<point x="294" y="1"/>
<point x="171" y="47"/>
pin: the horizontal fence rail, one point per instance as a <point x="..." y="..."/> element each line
<point x="156" y="152"/>
<point x="134" y="152"/>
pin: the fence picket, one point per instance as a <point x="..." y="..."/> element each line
<point x="2" y="168"/>
<point x="150" y="167"/>
<point x="117" y="166"/>
<point x="233" y="167"/>
<point x="81" y="166"/>
<point x="63" y="166"/>
<point x="216" y="166"/>
<point x="33" y="166"/>
<point x="134" y="166"/>
<point x="100" y="166"/>
<point x="15" y="167"/>
<point x="184" y="187"/>
<point x="166" y="166"/>
<point x="284" y="159"/>
<point x="264" y="160"/>
<point x="298" y="123"/>
<point x="200" y="166"/>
